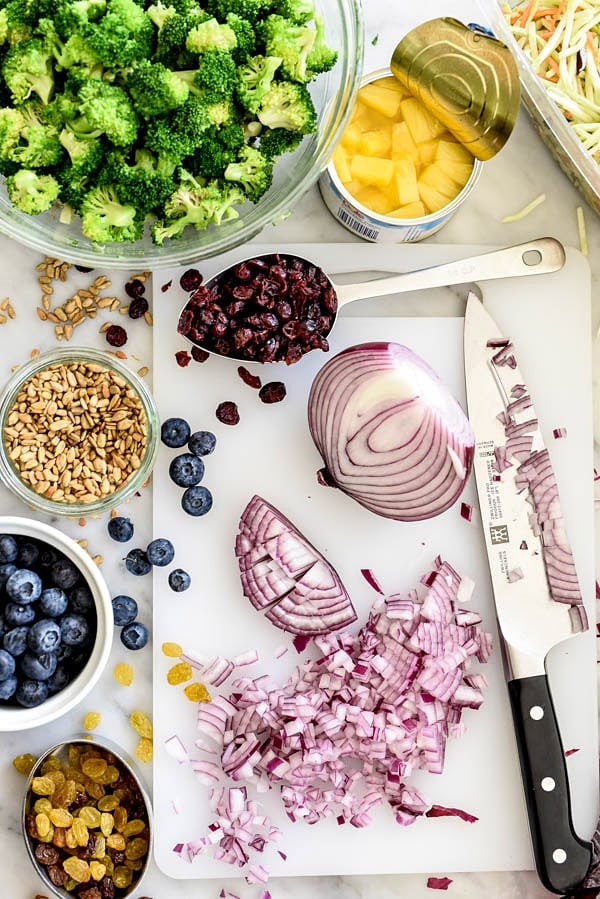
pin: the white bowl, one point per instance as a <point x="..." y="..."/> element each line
<point x="13" y="719"/>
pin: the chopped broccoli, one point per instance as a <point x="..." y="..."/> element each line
<point x="288" y="105"/>
<point x="253" y="171"/>
<point x="245" y="36"/>
<point x="219" y="147"/>
<point x="31" y="192"/>
<point x="196" y="204"/>
<point x="139" y="185"/>
<point x="254" y="80"/>
<point x="155" y="89"/>
<point x="298" y="11"/>
<point x="85" y="155"/>
<point x="321" y="58"/>
<point x="105" y="109"/>
<point x="39" y="145"/>
<point x="216" y="74"/>
<point x="173" y="29"/>
<point x="124" y="34"/>
<point x="210" y="35"/>
<point x="72" y="16"/>
<point x="11" y="122"/>
<point x="16" y="21"/>
<point x="292" y="43"/>
<point x="75" y="51"/>
<point x="274" y="142"/>
<point x="105" y="219"/>
<point x="27" y="68"/>
<point x="251" y="10"/>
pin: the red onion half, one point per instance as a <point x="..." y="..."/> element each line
<point x="391" y="434"/>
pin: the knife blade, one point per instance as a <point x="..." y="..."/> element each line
<point x="524" y="540"/>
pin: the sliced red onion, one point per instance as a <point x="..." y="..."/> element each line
<point x="177" y="750"/>
<point x="391" y="435"/>
<point x="466" y="511"/>
<point x="441" y="811"/>
<point x="569" y="752"/>
<point x="438" y="883"/>
<point x="371" y="580"/>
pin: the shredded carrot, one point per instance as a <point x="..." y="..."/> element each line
<point x="528" y="12"/>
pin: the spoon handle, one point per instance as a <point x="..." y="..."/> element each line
<point x="536" y="257"/>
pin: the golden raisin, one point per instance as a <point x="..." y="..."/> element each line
<point x="42" y="824"/>
<point x="108" y="864"/>
<point x="109" y="777"/>
<point x="70" y="884"/>
<point x="43" y="786"/>
<point x="107" y="823"/>
<point x="97" y="870"/>
<point x="197" y="692"/>
<point x="132" y="828"/>
<point x="100" y="849"/>
<point x="172" y="650"/>
<point x="141" y="724"/>
<point x="123" y="674"/>
<point x="116" y="841"/>
<point x="51" y="764"/>
<point x="136" y="848"/>
<point x="108" y="803"/>
<point x="71" y="839"/>
<point x="61" y="817"/>
<point x="42" y="805"/>
<point x="179" y="673"/>
<point x="120" y="818"/>
<point x="94" y="767"/>
<point x="81" y="832"/>
<point x="64" y="795"/>
<point x="24" y="763"/>
<point x="144" y="750"/>
<point x="77" y="868"/>
<point x="56" y="776"/>
<point x="90" y="816"/>
<point x="136" y="864"/>
<point x="122" y="876"/>
<point x="59" y="837"/>
<point x="92" y="720"/>
<point x="95" y="790"/>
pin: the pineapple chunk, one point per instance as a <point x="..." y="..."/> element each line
<point x="427" y="152"/>
<point x="354" y="187"/>
<point x="375" y="200"/>
<point x="381" y="100"/>
<point x="431" y="198"/>
<point x="402" y="143"/>
<point x="341" y="161"/>
<point x="410" y="211"/>
<point x="407" y="189"/>
<point x="351" y="137"/>
<point x="391" y="84"/>
<point x="376" y="143"/>
<point x="435" y="176"/>
<point x="421" y="124"/>
<point x="450" y="151"/>
<point x="458" y="171"/>
<point x="370" y="170"/>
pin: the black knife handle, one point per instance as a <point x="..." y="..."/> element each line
<point x="562" y="859"/>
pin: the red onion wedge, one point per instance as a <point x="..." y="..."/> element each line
<point x="438" y="883"/>
<point x="391" y="434"/>
<point x="284" y="576"/>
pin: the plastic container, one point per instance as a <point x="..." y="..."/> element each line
<point x="13" y="718"/>
<point x="548" y="120"/>
<point x="333" y="95"/>
<point x="8" y="472"/>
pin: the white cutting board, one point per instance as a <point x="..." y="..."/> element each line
<point x="270" y="452"/>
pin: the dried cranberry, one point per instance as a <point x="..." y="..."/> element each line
<point x="165" y="287"/>
<point x="138" y="307"/>
<point x="47" y="854"/>
<point x="199" y="355"/>
<point x="116" y="335"/>
<point x="283" y="310"/>
<point x="248" y="378"/>
<point x="268" y="351"/>
<point x="200" y="297"/>
<point x="243" y="272"/>
<point x="183" y="358"/>
<point x="222" y="346"/>
<point x="190" y="280"/>
<point x="242" y="337"/>
<point x="135" y="288"/>
<point x="273" y="392"/>
<point x="293" y="353"/>
<point x="186" y="320"/>
<point x="235" y="307"/>
<point x="242" y="293"/>
<point x="219" y="329"/>
<point x="227" y="413"/>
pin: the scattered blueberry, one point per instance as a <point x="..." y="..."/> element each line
<point x="24" y="586"/>
<point x="175" y="432"/>
<point x="125" y="610"/>
<point x="160" y="552"/>
<point x="81" y="600"/>
<point x="73" y="629"/>
<point x="40" y="667"/>
<point x="8" y="687"/>
<point x="120" y="529"/>
<point x="179" y="580"/>
<point x="28" y="555"/>
<point x="15" y="641"/>
<point x="5" y="573"/>
<point x="31" y="693"/>
<point x="186" y="470"/>
<point x="53" y="602"/>
<point x="17" y="613"/>
<point x="65" y="573"/>
<point x="136" y="562"/>
<point x="9" y="548"/>
<point x="197" y="501"/>
<point x="58" y="681"/>
<point x="43" y="636"/>
<point x="7" y="664"/>
<point x="201" y="443"/>
<point x="135" y="635"/>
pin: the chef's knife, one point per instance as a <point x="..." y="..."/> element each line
<point x="530" y="620"/>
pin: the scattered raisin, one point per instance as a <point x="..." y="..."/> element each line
<point x="248" y="378"/>
<point x="190" y="280"/>
<point x="227" y="413"/>
<point x="135" y="288"/>
<point x="183" y="358"/>
<point x="199" y="355"/>
<point x="116" y="335"/>
<point x="138" y="307"/>
<point x="273" y="392"/>
<point x="165" y="287"/>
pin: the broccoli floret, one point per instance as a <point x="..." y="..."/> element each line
<point x="39" y="145"/>
<point x="216" y="74"/>
<point x="85" y="155"/>
<point x="288" y="105"/>
<point x="105" y="219"/>
<point x="105" y="109"/>
<point x="155" y="89"/>
<point x="253" y="171"/>
<point x="292" y="43"/>
<point x="16" y="21"/>
<point x="219" y="147"/>
<point x="139" y="185"/>
<point x="274" y="142"/>
<point x="210" y="35"/>
<point x="173" y="28"/>
<point x="124" y="34"/>
<point x="31" y="192"/>
<point x="254" y="80"/>
<point x="251" y="10"/>
<point x="71" y="16"/>
<point x="75" y="52"/>
<point x="245" y="36"/>
<point x="27" y="68"/>
<point x="74" y="185"/>
<point x="321" y="58"/>
<point x="11" y="122"/>
<point x="198" y="205"/>
<point x="298" y="11"/>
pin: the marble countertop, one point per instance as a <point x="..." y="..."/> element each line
<point x="507" y="184"/>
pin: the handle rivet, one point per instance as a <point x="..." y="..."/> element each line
<point x="548" y="784"/>
<point x="559" y="856"/>
<point x="536" y="712"/>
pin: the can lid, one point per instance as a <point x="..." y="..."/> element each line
<point x="465" y="77"/>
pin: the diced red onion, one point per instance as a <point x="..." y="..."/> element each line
<point x="371" y="580"/>
<point x="559" y="432"/>
<point x="177" y="750"/>
<point x="569" y="752"/>
<point x="390" y="433"/>
<point x="466" y="511"/>
<point x="441" y="811"/>
<point x="438" y="883"/>
<point x="515" y="574"/>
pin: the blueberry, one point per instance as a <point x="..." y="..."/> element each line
<point x="65" y="573"/>
<point x="73" y="629"/>
<point x="197" y="501"/>
<point x="40" y="667"/>
<point x="7" y="664"/>
<point x="8" y="687"/>
<point x="29" y="554"/>
<point x="175" y="432"/>
<point x="9" y="548"/>
<point x="16" y="614"/>
<point x="135" y="635"/>
<point x="120" y="529"/>
<point x="3" y="627"/>
<point x="43" y="636"/>
<point x="160" y="552"/>
<point x="186" y="470"/>
<point x="81" y="600"/>
<point x="65" y="654"/>
<point x="136" y="562"/>
<point x="15" y="641"/>
<point x="24" y="585"/>
<point x="53" y="602"/>
<point x="125" y="610"/>
<point x="179" y="580"/>
<point x="201" y="443"/>
<point x="31" y="693"/>
<point x="48" y="556"/>
<point x="5" y="573"/>
<point x="58" y="681"/>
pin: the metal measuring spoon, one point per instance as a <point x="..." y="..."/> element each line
<point x="255" y="310"/>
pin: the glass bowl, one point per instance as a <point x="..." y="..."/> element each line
<point x="333" y="95"/>
<point x="8" y="471"/>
